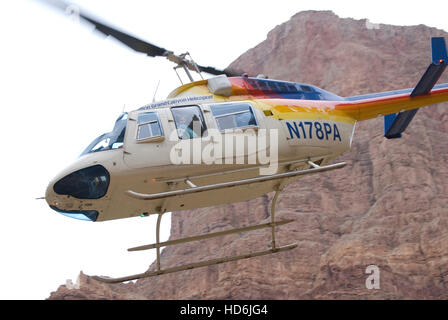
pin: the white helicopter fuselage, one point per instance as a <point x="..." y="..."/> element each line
<point x="157" y="159"/>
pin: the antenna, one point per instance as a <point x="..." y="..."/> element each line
<point x="155" y="92"/>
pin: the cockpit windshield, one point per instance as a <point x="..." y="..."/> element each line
<point x="110" y="140"/>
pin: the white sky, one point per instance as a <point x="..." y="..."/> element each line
<point x="62" y="86"/>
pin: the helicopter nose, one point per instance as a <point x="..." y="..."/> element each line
<point x="88" y="183"/>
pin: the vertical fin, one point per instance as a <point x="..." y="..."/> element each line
<point x="396" y="124"/>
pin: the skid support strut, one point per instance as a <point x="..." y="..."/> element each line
<point x="274" y="202"/>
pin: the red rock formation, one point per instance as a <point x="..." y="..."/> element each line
<point x="388" y="207"/>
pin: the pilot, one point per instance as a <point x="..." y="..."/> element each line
<point x="183" y="129"/>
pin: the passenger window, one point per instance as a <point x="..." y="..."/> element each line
<point x="189" y="122"/>
<point x="148" y="126"/>
<point x="306" y="89"/>
<point x="235" y="115"/>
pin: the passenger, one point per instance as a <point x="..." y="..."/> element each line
<point x="183" y="128"/>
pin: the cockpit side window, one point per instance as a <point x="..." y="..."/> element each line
<point x="110" y="140"/>
<point x="234" y="115"/>
<point x="117" y="138"/>
<point x="148" y="126"/>
<point x="189" y="122"/>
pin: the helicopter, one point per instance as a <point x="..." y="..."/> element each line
<point x="225" y="139"/>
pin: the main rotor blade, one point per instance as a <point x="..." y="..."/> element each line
<point x="134" y="42"/>
<point x="128" y="40"/>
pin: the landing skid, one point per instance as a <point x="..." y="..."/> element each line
<point x="274" y="248"/>
<point x="194" y="265"/>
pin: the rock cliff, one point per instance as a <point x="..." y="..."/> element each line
<point x="388" y="207"/>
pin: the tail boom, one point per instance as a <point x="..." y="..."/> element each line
<point x="371" y="108"/>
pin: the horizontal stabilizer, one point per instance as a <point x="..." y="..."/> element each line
<point x="396" y="124"/>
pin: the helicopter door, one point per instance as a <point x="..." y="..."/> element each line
<point x="191" y="133"/>
<point x="147" y="142"/>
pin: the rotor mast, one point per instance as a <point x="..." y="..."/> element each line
<point x="185" y="63"/>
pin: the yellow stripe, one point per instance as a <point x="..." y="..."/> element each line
<point x="295" y="112"/>
<point x="309" y="115"/>
<point x="176" y="92"/>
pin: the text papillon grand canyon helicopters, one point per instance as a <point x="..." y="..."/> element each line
<point x="222" y="140"/>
